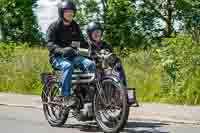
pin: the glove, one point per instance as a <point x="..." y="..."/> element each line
<point x="75" y="44"/>
<point x="69" y="52"/>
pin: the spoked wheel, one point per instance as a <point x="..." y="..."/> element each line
<point x="110" y="107"/>
<point x="54" y="112"/>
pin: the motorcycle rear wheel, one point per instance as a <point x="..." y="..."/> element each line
<point x="55" y="118"/>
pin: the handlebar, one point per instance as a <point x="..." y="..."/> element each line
<point x="104" y="54"/>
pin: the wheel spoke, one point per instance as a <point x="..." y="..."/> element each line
<point x="112" y="100"/>
<point x="102" y="97"/>
<point x="111" y="120"/>
<point x="55" y="110"/>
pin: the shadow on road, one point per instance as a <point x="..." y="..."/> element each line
<point x="132" y="127"/>
<point x="85" y="127"/>
<point x="144" y="127"/>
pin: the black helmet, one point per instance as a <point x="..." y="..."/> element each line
<point x="65" y="5"/>
<point x="92" y="27"/>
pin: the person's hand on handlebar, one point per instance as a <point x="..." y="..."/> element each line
<point x="68" y="51"/>
<point x="72" y="50"/>
<point x="75" y="45"/>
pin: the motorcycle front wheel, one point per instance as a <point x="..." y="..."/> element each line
<point x="110" y="106"/>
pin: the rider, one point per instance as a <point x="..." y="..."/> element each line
<point x="95" y="32"/>
<point x="63" y="55"/>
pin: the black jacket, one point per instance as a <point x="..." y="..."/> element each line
<point x="103" y="45"/>
<point x="60" y="36"/>
<point x="114" y="60"/>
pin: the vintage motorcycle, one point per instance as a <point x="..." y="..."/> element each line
<point x="99" y="96"/>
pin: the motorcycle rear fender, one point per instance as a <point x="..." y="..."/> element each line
<point x="45" y="79"/>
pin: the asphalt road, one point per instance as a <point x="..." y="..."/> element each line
<point x="25" y="120"/>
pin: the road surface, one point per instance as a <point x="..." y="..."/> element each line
<point x="26" y="120"/>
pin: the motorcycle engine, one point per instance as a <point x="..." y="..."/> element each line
<point x="85" y="113"/>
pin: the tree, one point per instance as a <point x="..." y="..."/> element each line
<point x="152" y="14"/>
<point x="161" y="16"/>
<point x="189" y="13"/>
<point x="117" y="25"/>
<point x="87" y="11"/>
<point x="18" y="22"/>
<point x="116" y="17"/>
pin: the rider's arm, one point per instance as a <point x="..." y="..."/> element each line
<point x="83" y="42"/>
<point x="51" y="40"/>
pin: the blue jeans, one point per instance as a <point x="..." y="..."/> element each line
<point x="66" y="65"/>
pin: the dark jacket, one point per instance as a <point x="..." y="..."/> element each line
<point x="60" y="36"/>
<point x="103" y="45"/>
<point x="113" y="62"/>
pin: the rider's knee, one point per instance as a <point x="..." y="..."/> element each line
<point x="67" y="66"/>
<point x="92" y="66"/>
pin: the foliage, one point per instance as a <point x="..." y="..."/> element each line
<point x="157" y="40"/>
<point x="87" y="11"/>
<point x="181" y="62"/>
<point x="159" y="75"/>
<point x="21" y="67"/>
<point x="18" y="22"/>
<point x="162" y="18"/>
<point x="118" y="30"/>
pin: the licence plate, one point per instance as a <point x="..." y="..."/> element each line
<point x="130" y="93"/>
<point x="131" y="97"/>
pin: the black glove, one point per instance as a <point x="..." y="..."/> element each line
<point x="69" y="52"/>
<point x="75" y="45"/>
<point x="94" y="56"/>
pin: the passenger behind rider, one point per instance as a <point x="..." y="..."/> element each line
<point x="95" y="32"/>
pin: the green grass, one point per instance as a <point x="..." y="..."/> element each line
<point x="144" y="75"/>
<point x="21" y="74"/>
<point x="20" y="71"/>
